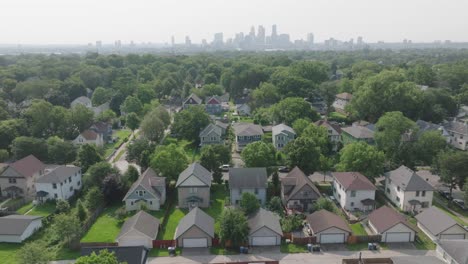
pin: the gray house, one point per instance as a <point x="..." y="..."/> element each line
<point x="193" y="186"/>
<point x="196" y="229"/>
<point x="453" y="251"/>
<point x="149" y="191"/>
<point x="211" y="134"/>
<point x="103" y="128"/>
<point x="282" y="135"/>
<point x="265" y="229"/>
<point x="439" y="225"/>
<point x="213" y="105"/>
<point x="252" y="180"/>
<point x="192" y="100"/>
<point x="17" y="228"/>
<point x="297" y="191"/>
<point x="246" y="133"/>
<point x="223" y="126"/>
<point x="139" y="230"/>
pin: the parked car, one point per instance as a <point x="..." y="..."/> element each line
<point x="225" y="167"/>
<point x="460" y="203"/>
<point x="445" y="194"/>
<point x="283" y="169"/>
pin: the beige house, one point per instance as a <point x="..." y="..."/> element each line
<point x="193" y="186"/>
<point x="89" y="137"/>
<point x="391" y="225"/>
<point x="196" y="229"/>
<point x="328" y="227"/>
<point x="439" y="225"/>
<point x="18" y="178"/>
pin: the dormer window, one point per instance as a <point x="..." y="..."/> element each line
<point x="12" y="180"/>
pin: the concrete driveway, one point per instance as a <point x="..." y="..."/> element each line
<point x="401" y="246"/>
<point x="333" y="247"/>
<point x="264" y="250"/>
<point x="195" y="252"/>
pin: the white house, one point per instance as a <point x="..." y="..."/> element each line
<point x="89" y="137"/>
<point x="333" y="130"/>
<point x="341" y="100"/>
<point x="391" y="225"/>
<point x="439" y="225"/>
<point x="282" y="135"/>
<point x="353" y="191"/>
<point x="409" y="191"/>
<point x="59" y="182"/>
<point x="458" y="132"/>
<point x="453" y="251"/>
<point x="148" y="191"/>
<point x="17" y="228"/>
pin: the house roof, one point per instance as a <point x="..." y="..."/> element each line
<point x="359" y="131"/>
<point x="89" y="134"/>
<point x="221" y="124"/>
<point x="211" y="128"/>
<point x="435" y="220"/>
<point x="101" y="127"/>
<point x="428" y="126"/>
<point x="58" y="174"/>
<point x="148" y="180"/>
<point x="298" y="179"/>
<point x="195" y="98"/>
<point x="326" y="123"/>
<point x="456" y="249"/>
<point x="27" y="166"/>
<point x="344" y="96"/>
<point x="408" y="180"/>
<point x="385" y="217"/>
<point x="457" y="127"/>
<point x="198" y="218"/>
<point x="198" y="171"/>
<point x="143" y="223"/>
<point x="213" y="100"/>
<point x="282" y="127"/>
<point x="247" y="129"/>
<point x="353" y="181"/>
<point x="322" y="220"/>
<point x="129" y="255"/>
<point x="247" y="178"/>
<point x="15" y="224"/>
<point x="264" y="218"/>
<point x="81" y="100"/>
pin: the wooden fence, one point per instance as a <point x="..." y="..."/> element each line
<point x="164" y="243"/>
<point x="215" y="242"/>
<point x="99" y="244"/>
<point x="364" y="239"/>
<point x="304" y="240"/>
<point x="86" y="226"/>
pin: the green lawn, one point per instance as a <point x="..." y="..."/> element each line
<point x="65" y="253"/>
<point x="218" y="197"/>
<point x="223" y="251"/>
<point x="9" y="252"/>
<point x="44" y="209"/>
<point x="364" y="246"/>
<point x="106" y="228"/>
<point x="167" y="233"/>
<point x="192" y="151"/>
<point x="292" y="248"/>
<point x="358" y="229"/>
<point x="23" y="209"/>
<point x="325" y="188"/>
<point x="422" y="241"/>
<point x="163" y="252"/>
<point x="121" y="135"/>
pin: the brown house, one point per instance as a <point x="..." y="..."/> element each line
<point x="297" y="191"/>
<point x="193" y="186"/>
<point x="18" y="178"/>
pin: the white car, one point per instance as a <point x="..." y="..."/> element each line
<point x="225" y="167"/>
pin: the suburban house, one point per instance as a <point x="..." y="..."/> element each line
<point x="439" y="225"/>
<point x="246" y="133"/>
<point x="18" y="178"/>
<point x="128" y="255"/>
<point x="211" y="134"/>
<point x="223" y="126"/>
<point x="192" y="100"/>
<point x="341" y="100"/>
<point x="458" y="132"/>
<point x="17" y="228"/>
<point x="149" y="191"/>
<point x="391" y="225"/>
<point x="428" y="126"/>
<point x="334" y="132"/>
<point x="82" y="100"/>
<point x="139" y="230"/>
<point x="252" y="180"/>
<point x="265" y="228"/>
<point x="193" y="186"/>
<point x="353" y="191"/>
<point x="101" y="108"/>
<point x="356" y="133"/>
<point x="282" y="135"/>
<point x="453" y="251"/>
<point x="103" y="128"/>
<point x="328" y="227"/>
<point x="243" y="109"/>
<point x="196" y="229"/>
<point x="297" y="191"/>
<point x="89" y="137"/>
<point x="408" y="190"/>
<point x="58" y="182"/>
<point x="213" y="105"/>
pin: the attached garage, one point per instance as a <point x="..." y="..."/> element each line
<point x="328" y="228"/>
<point x="130" y="241"/>
<point x="195" y="230"/>
<point x="194" y="242"/>
<point x="265" y="229"/>
<point x="397" y="237"/>
<point x="391" y="225"/>
<point x="264" y="241"/>
<point x="439" y="225"/>
<point x="332" y="238"/>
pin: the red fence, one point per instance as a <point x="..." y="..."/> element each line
<point x="215" y="242"/>
<point x="99" y="244"/>
<point x="164" y="243"/>
<point x="364" y="239"/>
<point x="304" y="240"/>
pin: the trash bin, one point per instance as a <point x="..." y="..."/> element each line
<point x="172" y="251"/>
<point x="316" y="248"/>
<point x="241" y="250"/>
<point x="309" y="247"/>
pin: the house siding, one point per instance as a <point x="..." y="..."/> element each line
<point x="33" y="227"/>
<point x="445" y="257"/>
<point x="64" y="190"/>
<point x="193" y="232"/>
<point x="454" y="230"/>
<point x="24" y="183"/>
<point x="202" y="192"/>
<point x="134" y="201"/>
<point x="280" y="140"/>
<point x="345" y="199"/>
<point x="265" y="232"/>
<point x="236" y="195"/>
<point x="242" y="141"/>
<point x="391" y="191"/>
<point x="210" y="139"/>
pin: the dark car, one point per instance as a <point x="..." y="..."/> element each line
<point x="459" y="203"/>
<point x="445" y="194"/>
<point x="283" y="169"/>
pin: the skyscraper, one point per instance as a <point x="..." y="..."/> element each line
<point x="261" y="35"/>
<point x="274" y="34"/>
<point x="310" y="39"/>
<point x="252" y="32"/>
<point x="218" y="39"/>
<point x="172" y="41"/>
<point x="188" y="42"/>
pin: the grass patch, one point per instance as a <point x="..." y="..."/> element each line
<point x="325" y="188"/>
<point x="163" y="252"/>
<point x="12" y="202"/>
<point x="292" y="248"/>
<point x="422" y="241"/>
<point x="106" y="228"/>
<point x="223" y="251"/>
<point x="119" y="155"/>
<point x="173" y="220"/>
<point x="23" y="209"/>
<point x="358" y="229"/>
<point x="44" y="209"/>
<point x="364" y="246"/>
<point x="191" y="150"/>
<point x="9" y="252"/>
<point x="122" y="135"/>
<point x="64" y="253"/>
<point x="218" y="198"/>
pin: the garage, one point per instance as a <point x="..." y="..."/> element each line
<point x="135" y="241"/>
<point x="452" y="236"/>
<point x="264" y="241"/>
<point x="195" y="242"/>
<point x="398" y="237"/>
<point x="332" y="238"/>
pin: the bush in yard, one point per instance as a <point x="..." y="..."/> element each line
<point x="94" y="198"/>
<point x="131" y="175"/>
<point x="326" y="204"/>
<point x="81" y="211"/>
<point x="291" y="223"/>
<point x="276" y="205"/>
<point x="67" y="226"/>
<point x="62" y="206"/>
<point x="104" y="257"/>
<point x="233" y="227"/>
<point x="112" y="188"/>
<point x="96" y="174"/>
<point x="35" y="252"/>
<point x="249" y="203"/>
<point x="120" y="214"/>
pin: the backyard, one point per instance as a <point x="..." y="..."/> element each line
<point x="192" y="151"/>
<point x="106" y="228"/>
<point x="358" y="229"/>
<point x="121" y="135"/>
<point x="44" y="209"/>
<point x="167" y="232"/>
<point x="8" y="252"/>
<point x="218" y="198"/>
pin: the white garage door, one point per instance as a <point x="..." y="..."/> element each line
<point x="398" y="237"/>
<point x="452" y="236"/>
<point x="264" y="241"/>
<point x="133" y="241"/>
<point x="332" y="238"/>
<point x="195" y="242"/>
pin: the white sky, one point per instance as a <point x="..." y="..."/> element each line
<point x="83" y="21"/>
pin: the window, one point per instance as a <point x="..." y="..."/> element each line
<point x="140" y="193"/>
<point x="398" y="188"/>
<point x="353" y="193"/>
<point x="240" y="191"/>
<point x="69" y="179"/>
<point x="417" y="193"/>
<point x="55" y="195"/>
<point x="71" y="188"/>
<point x="352" y="203"/>
<point x="12" y="180"/>
<point x="425" y="204"/>
<point x="193" y="190"/>
<point x="388" y="190"/>
<point x="78" y="183"/>
<point x="151" y="202"/>
<point x="256" y="191"/>
<point x="423" y="193"/>
<point x="398" y="198"/>
<point x="54" y="186"/>
<point x="131" y="203"/>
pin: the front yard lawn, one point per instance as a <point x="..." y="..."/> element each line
<point x="44" y="209"/>
<point x="25" y="208"/>
<point x="293" y="248"/>
<point x="218" y="198"/>
<point x="422" y="241"/>
<point x="163" y="252"/>
<point x="106" y="228"/>
<point x="358" y="229"/>
<point x="223" y="251"/>
<point x="9" y="252"/>
<point x="167" y="233"/>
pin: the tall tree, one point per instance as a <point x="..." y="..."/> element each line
<point x="259" y="154"/>
<point x="189" y="123"/>
<point x="81" y="117"/>
<point x="212" y="157"/>
<point x="452" y="167"/>
<point x="60" y="151"/>
<point x="304" y="153"/>
<point x="104" y="257"/>
<point x="132" y="121"/>
<point x="24" y="146"/>
<point x="96" y="174"/>
<point x="36" y="252"/>
<point x="67" y="226"/>
<point x="233" y="226"/>
<point x="363" y="158"/>
<point x="292" y="108"/>
<point x="152" y="127"/>
<point x="169" y="160"/>
<point x="88" y="155"/>
<point x="428" y="145"/>
<point x="249" y="203"/>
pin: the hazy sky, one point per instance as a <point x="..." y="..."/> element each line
<point x="83" y="21"/>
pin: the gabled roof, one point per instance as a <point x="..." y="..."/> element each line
<point x="322" y="220"/>
<point x="101" y="127"/>
<point x="59" y="174"/>
<point x="148" y="180"/>
<point x="385" y="218"/>
<point x="353" y="181"/>
<point x="247" y="129"/>
<point x="213" y="100"/>
<point x="143" y="223"/>
<point x="197" y="218"/>
<point x="344" y="96"/>
<point x="282" y="127"/>
<point x="359" y="132"/>
<point x="408" y="180"/>
<point x="195" y="98"/>
<point x="247" y="178"/>
<point x="298" y="179"/>
<point x="221" y="124"/>
<point x="264" y="218"/>
<point x="196" y="170"/>
<point x="326" y="123"/>
<point x="89" y="134"/>
<point x="129" y="255"/>
<point x="211" y="128"/>
<point x="27" y="166"/>
<point x="15" y="224"/>
<point x="428" y="126"/>
<point x="435" y="220"/>
<point x="457" y="127"/>
<point x="456" y="249"/>
<point x="81" y="100"/>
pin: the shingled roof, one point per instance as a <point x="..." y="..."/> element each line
<point x="435" y="220"/>
<point x="15" y="224"/>
<point x="197" y="218"/>
<point x="89" y="134"/>
<point x="59" y="174"/>
<point x="344" y="96"/>
<point x="264" y="218"/>
<point x="247" y="129"/>
<point x="457" y="127"/>
<point x="247" y="178"/>
<point x="359" y="132"/>
<point x="353" y="181"/>
<point x="408" y="180"/>
<point x="209" y="128"/>
<point x="27" y="166"/>
<point x="196" y="170"/>
<point x="143" y="223"/>
<point x="298" y="179"/>
<point x="385" y="218"/>
<point x="280" y="128"/>
<point x="326" y="123"/>
<point x="322" y="220"/>
<point x="147" y="180"/>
